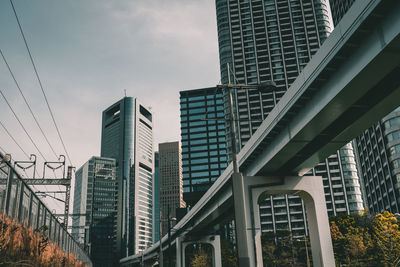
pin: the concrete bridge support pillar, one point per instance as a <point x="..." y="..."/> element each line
<point x="213" y="240"/>
<point x="310" y="189"/>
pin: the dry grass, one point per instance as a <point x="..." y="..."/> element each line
<point x="23" y="246"/>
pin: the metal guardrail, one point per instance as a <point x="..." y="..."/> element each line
<point x="19" y="202"/>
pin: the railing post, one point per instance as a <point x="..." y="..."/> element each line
<point x="20" y="207"/>
<point x="38" y="215"/>
<point x="30" y="208"/>
<point x="8" y="191"/>
<point x="51" y="228"/>
<point x="58" y="235"/>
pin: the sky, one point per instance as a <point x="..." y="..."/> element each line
<point x="87" y="53"/>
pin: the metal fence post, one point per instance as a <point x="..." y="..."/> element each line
<point x="20" y="207"/>
<point x="30" y="209"/>
<point x="51" y="228"/>
<point x="38" y="215"/>
<point x="8" y="190"/>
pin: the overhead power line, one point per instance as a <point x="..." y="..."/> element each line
<point x="15" y="141"/>
<point x="40" y="82"/>
<point x="23" y="127"/>
<point x="33" y="187"/>
<point x="26" y="102"/>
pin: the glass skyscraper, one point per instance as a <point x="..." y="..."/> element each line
<point x="95" y="195"/>
<point x="203" y="141"/>
<point x="264" y="40"/>
<point x="127" y="136"/>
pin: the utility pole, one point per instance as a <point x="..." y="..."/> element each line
<point x="161" y="257"/>
<point x="169" y="239"/>
<point x="67" y="195"/>
<point x="305" y="243"/>
<point x="237" y="177"/>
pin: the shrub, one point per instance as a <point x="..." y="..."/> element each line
<point x="23" y="246"/>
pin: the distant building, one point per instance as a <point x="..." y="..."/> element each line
<point x="156" y="199"/>
<point x="170" y="182"/>
<point x="96" y="195"/>
<point x="127" y="136"/>
<point x="203" y="141"/>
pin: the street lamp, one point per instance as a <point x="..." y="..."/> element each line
<point x="161" y="256"/>
<point x="306" y="248"/>
<point x="237" y="178"/>
<point x="169" y="240"/>
<point x="264" y="87"/>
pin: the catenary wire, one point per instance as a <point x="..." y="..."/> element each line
<point x="26" y="102"/>
<point x="30" y="138"/>
<point x="29" y="107"/>
<point x="15" y="141"/>
<point x="40" y="82"/>
<point x="34" y="188"/>
<point x="23" y="127"/>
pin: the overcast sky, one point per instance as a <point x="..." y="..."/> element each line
<point x="87" y="53"/>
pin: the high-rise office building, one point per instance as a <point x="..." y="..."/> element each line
<point x="377" y="150"/>
<point x="156" y="198"/>
<point x="95" y="195"/>
<point x="203" y="141"/>
<point x="378" y="155"/>
<point x="171" y="186"/>
<point x="273" y="40"/>
<point x="127" y="136"/>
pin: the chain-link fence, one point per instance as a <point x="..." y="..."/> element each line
<point x="19" y="202"/>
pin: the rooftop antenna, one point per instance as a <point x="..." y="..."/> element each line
<point x="125" y="92"/>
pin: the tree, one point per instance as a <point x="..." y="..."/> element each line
<point x="23" y="246"/>
<point x="356" y="249"/>
<point x="387" y="236"/>
<point x="282" y="249"/>
<point x="229" y="259"/>
<point x="353" y="241"/>
<point x="269" y="249"/>
<point x="201" y="259"/>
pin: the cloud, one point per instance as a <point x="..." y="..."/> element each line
<point x="88" y="53"/>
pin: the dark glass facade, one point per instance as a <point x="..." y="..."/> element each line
<point x="203" y="141"/>
<point x="96" y="196"/>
